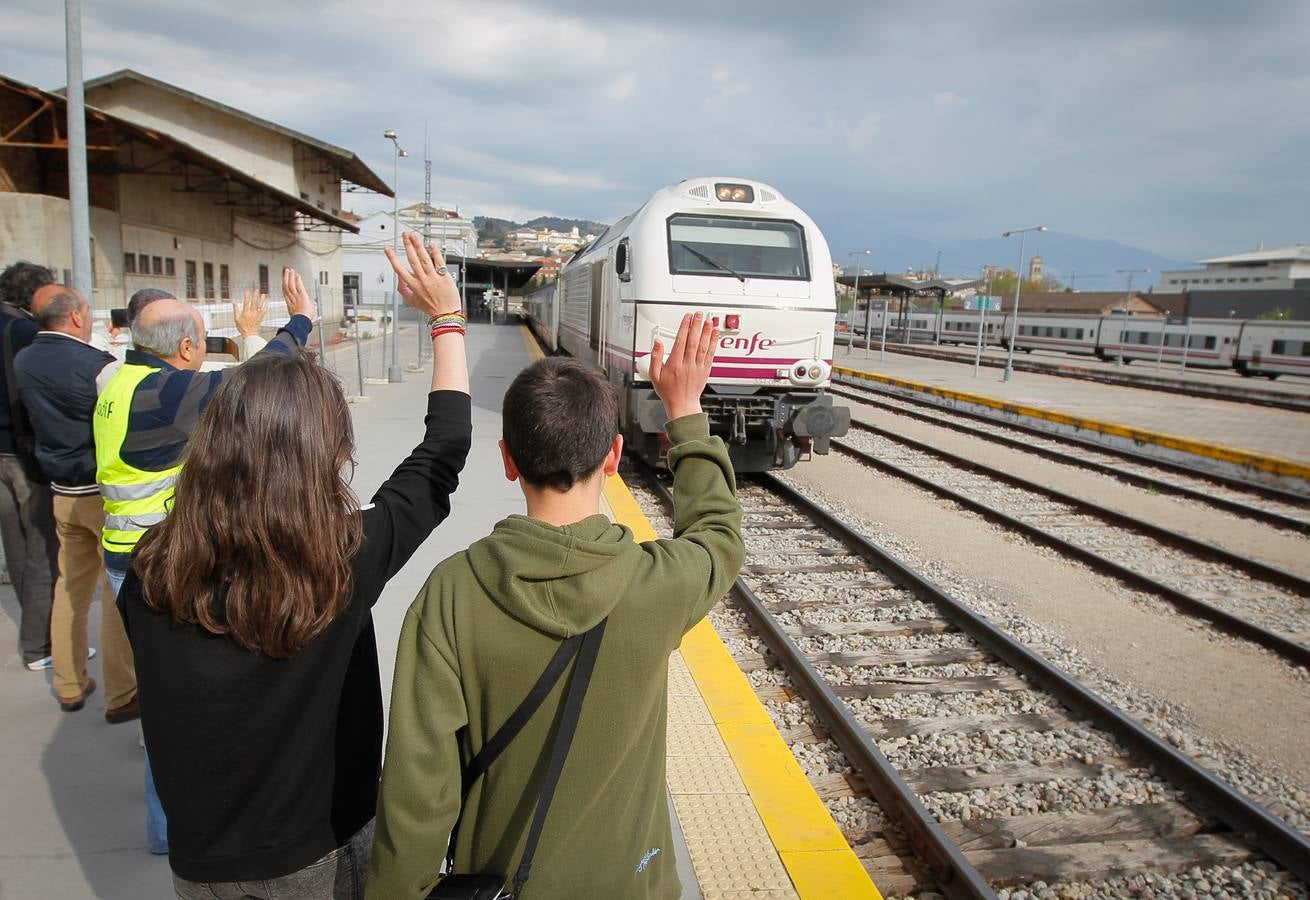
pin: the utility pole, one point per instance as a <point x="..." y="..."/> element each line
<point x="1018" y="283"/>
<point x="79" y="206"/>
<point x="393" y="371"/>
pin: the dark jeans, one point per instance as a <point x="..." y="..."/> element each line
<point x="27" y="528"/>
<point x="338" y="876"/>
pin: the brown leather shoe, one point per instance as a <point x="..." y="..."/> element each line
<point x="79" y="701"/>
<point x="125" y="713"/>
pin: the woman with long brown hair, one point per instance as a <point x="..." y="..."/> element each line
<point x="248" y="610"/>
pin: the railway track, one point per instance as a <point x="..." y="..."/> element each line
<point x="961" y="760"/>
<point x="1256" y="502"/>
<point x="1244" y="597"/>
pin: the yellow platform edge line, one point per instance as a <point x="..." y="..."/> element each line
<point x="1267" y="462"/>
<point x="816" y="856"/>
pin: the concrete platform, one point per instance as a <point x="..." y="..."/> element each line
<point x="72" y="814"/>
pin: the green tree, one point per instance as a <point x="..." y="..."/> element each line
<point x="1282" y="313"/>
<point x="1003" y="284"/>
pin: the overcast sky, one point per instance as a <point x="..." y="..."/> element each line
<point x="1179" y="127"/>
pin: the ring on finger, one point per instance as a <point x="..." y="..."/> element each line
<point x="442" y="270"/>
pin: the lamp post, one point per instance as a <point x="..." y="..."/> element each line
<point x="868" y="310"/>
<point x="1018" y="283"/>
<point x="1128" y="294"/>
<point x="393" y="372"/>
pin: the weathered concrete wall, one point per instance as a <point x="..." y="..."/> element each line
<point x="255" y="150"/>
<point x="35" y="227"/>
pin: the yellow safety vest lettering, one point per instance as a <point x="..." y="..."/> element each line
<point x="134" y="498"/>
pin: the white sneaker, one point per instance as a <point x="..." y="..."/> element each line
<point x="48" y="662"/>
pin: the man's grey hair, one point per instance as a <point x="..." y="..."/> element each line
<point x="163" y="336"/>
<point x="143" y="298"/>
<point x="56" y="312"/>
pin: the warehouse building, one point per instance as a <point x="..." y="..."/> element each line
<point x="186" y="194"/>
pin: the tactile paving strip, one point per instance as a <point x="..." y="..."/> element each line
<point x="730" y="848"/>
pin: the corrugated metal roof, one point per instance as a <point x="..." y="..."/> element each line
<point x="353" y="168"/>
<point x="183" y="151"/>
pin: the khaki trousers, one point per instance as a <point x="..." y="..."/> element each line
<point x="78" y="522"/>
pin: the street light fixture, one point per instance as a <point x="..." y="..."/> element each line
<point x="868" y="310"/>
<point x="1123" y="326"/>
<point x="393" y="372"/>
<point x="1018" y="282"/>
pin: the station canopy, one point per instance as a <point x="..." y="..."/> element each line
<point x="905" y="285"/>
<point x="505" y="274"/>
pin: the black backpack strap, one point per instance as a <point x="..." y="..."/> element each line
<point x="492" y="749"/>
<point x="560" y="749"/>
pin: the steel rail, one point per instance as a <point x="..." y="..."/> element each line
<point x="1265" y="490"/>
<point x="953" y="874"/>
<point x="1295" y="652"/>
<point x="1210" y="794"/>
<point x="1269" y="517"/>
<point x="1262" y="570"/>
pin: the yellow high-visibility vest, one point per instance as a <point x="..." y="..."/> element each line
<point x="134" y="498"/>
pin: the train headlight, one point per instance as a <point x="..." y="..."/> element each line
<point x="735" y="193"/>
<point x="808" y="371"/>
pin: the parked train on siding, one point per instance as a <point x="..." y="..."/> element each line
<point x="1251" y="346"/>
<point x="741" y="252"/>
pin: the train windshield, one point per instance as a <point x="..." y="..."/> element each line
<point x="737" y="248"/>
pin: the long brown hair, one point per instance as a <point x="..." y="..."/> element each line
<point x="259" y="540"/>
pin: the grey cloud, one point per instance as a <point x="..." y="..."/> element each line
<point x="1173" y="125"/>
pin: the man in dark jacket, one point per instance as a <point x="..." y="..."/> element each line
<point x="27" y="525"/>
<point x="56" y="377"/>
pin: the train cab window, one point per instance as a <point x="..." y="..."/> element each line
<point x="1079" y="334"/>
<point x="623" y="261"/>
<point x="732" y="247"/>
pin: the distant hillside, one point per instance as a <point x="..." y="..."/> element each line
<point x="1090" y="263"/>
<point x="493" y="230"/>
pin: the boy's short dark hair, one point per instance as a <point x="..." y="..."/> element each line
<point x="560" y="417"/>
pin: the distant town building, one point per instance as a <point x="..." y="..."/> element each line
<point x="1087" y="303"/>
<point x="1035" y="269"/>
<point x="1281" y="268"/>
<point x="546" y="240"/>
<point x="187" y="194"/>
<point x="366" y="276"/>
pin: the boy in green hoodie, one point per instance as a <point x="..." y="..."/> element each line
<point x="483" y="628"/>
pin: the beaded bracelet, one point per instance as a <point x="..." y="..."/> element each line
<point x="444" y="318"/>
<point x="439" y="330"/>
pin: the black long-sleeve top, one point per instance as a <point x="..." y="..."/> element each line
<point x="265" y="765"/>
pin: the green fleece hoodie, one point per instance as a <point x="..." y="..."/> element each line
<point x="476" y="639"/>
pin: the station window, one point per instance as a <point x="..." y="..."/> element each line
<point x="129" y="263"/>
<point x="209" y="281"/>
<point x="263" y="278"/>
<point x="191" y="278"/>
<point x="224" y="282"/>
<point x="170" y="267"/>
<point x="156" y="265"/>
<point x="143" y="263"/>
